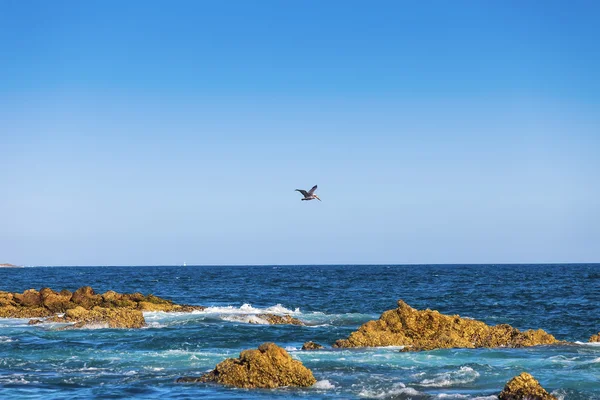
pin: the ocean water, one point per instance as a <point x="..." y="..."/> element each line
<point x="37" y="362"/>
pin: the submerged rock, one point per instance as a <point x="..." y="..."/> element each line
<point x="47" y="302"/>
<point x="100" y="317"/>
<point x="524" y="387"/>
<point x="595" y="338"/>
<point x="268" y="367"/>
<point x="311" y="346"/>
<point x="428" y="330"/>
<point x="280" y="319"/>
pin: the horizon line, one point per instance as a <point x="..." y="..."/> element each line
<point x="310" y="265"/>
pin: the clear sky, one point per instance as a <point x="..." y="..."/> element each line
<point x="158" y="132"/>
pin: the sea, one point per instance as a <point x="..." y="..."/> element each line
<point x="40" y="362"/>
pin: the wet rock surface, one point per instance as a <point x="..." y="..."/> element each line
<point x="280" y="319"/>
<point x="595" y="338"/>
<point x="311" y="346"/>
<point x="428" y="330"/>
<point x="269" y="366"/>
<point x="102" y="317"/>
<point x="524" y="387"/>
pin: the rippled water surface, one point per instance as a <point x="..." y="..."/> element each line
<point x="40" y="362"/>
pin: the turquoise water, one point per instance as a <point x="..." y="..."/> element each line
<point x="39" y="362"/>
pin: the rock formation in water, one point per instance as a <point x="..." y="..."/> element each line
<point x="595" y="338"/>
<point x="524" y="387"/>
<point x="268" y="367"/>
<point x="428" y="330"/>
<point x="280" y="319"/>
<point x="84" y="305"/>
<point x="102" y="317"/>
<point x="311" y="346"/>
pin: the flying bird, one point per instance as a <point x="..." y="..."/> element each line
<point x="310" y="195"/>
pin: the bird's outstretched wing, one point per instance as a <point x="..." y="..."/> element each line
<point x="311" y="191"/>
<point x="304" y="192"/>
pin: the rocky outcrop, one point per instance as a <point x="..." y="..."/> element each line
<point x="47" y="302"/>
<point x="268" y="367"/>
<point x="428" y="330"/>
<point x="280" y="319"/>
<point x="595" y="338"/>
<point x="102" y="317"/>
<point x="311" y="346"/>
<point x="86" y="308"/>
<point x="524" y="387"/>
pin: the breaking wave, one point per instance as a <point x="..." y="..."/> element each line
<point x="451" y="378"/>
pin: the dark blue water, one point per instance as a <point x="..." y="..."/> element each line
<point x="40" y="362"/>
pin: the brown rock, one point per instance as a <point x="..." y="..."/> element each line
<point x="595" y="338"/>
<point x="113" y="318"/>
<point x="6" y="299"/>
<point x="189" y="308"/>
<point x="56" y="302"/>
<point x="29" y="298"/>
<point x="34" y="321"/>
<point x="280" y="319"/>
<point x="311" y="346"/>
<point x="428" y="330"/>
<point x="46" y="302"/>
<point x="86" y="297"/>
<point x="268" y="367"/>
<point x="524" y="387"/>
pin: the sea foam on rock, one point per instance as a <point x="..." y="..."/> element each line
<point x="524" y="387"/>
<point x="428" y="330"/>
<point x="269" y="366"/>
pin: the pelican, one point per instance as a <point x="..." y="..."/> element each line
<point x="310" y="194"/>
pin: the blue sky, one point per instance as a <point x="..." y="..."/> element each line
<point x="146" y="132"/>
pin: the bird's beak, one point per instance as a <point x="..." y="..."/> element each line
<point x="318" y="198"/>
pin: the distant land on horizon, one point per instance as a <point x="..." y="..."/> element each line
<point x="6" y="265"/>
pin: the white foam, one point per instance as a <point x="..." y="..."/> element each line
<point x="323" y="385"/>
<point x="452" y="396"/>
<point x="248" y="309"/>
<point x="491" y="397"/>
<point x="249" y="319"/>
<point x="589" y="343"/>
<point x="14" y="379"/>
<point x="397" y="389"/>
<point x="6" y="339"/>
<point x="445" y="379"/>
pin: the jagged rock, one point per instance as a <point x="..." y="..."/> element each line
<point x="34" y="321"/>
<point x="311" y="346"/>
<point x="47" y="302"/>
<point x="595" y="338"/>
<point x="113" y="318"/>
<point x="56" y="302"/>
<point x="280" y="319"/>
<point x="268" y="367"/>
<point x="29" y="298"/>
<point x="524" y="387"/>
<point x="428" y="330"/>
<point x="86" y="297"/>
